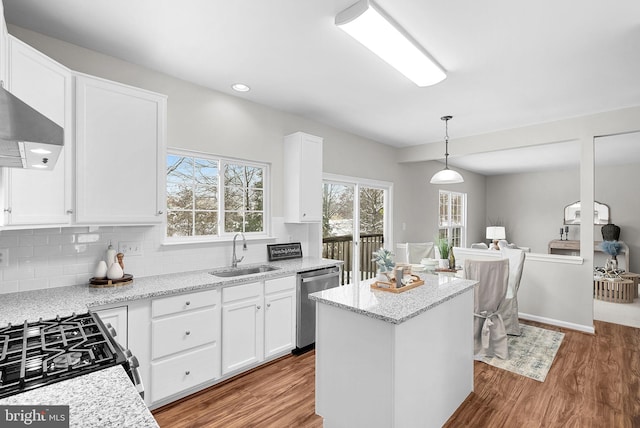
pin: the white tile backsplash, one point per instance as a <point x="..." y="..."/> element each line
<point x="56" y="257"/>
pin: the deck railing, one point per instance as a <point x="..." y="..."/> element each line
<point x="341" y="248"/>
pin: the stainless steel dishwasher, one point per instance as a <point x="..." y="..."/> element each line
<point x="310" y="282"/>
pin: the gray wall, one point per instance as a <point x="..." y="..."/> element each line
<point x="420" y="215"/>
<point x="617" y="186"/>
<point x="531" y="205"/>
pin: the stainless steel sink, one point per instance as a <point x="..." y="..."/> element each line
<point x="239" y="271"/>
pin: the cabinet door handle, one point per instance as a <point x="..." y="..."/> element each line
<point x="268" y="305"/>
<point x="187" y="373"/>
<point x="7" y="210"/>
<point x="69" y="211"/>
<point x="187" y="332"/>
<point x="258" y="307"/>
<point x="187" y="303"/>
<point x="160" y="212"/>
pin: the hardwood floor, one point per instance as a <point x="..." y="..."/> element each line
<point x="282" y="394"/>
<point x="594" y="382"/>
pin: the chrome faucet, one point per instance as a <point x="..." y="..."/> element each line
<point x="234" y="259"/>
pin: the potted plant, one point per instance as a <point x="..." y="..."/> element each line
<point x="385" y="263"/>
<point x="443" y="249"/>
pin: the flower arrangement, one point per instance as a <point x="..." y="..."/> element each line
<point x="611" y="247"/>
<point x="384" y="260"/>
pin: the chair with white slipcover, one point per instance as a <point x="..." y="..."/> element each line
<point x="508" y="309"/>
<point x="416" y="251"/>
<point x="402" y="253"/>
<point x="479" y="246"/>
<point x="413" y="252"/>
<point x="489" y="334"/>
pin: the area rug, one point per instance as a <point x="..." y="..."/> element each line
<point x="530" y="354"/>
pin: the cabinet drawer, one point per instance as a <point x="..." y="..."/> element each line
<point x="178" y="333"/>
<point x="184" y="371"/>
<point x="287" y="283"/>
<point x="184" y="302"/>
<point x="239" y="292"/>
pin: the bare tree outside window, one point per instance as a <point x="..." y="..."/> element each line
<point x="337" y="210"/>
<point x="243" y="198"/>
<point x="338" y="219"/>
<point x="197" y="203"/>
<point x="452" y="217"/>
<point x="371" y="210"/>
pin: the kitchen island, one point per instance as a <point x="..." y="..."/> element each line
<point x="394" y="360"/>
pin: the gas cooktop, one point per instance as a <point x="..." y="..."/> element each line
<point x="39" y="353"/>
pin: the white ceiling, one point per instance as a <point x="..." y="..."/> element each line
<point x="609" y="150"/>
<point x="509" y="63"/>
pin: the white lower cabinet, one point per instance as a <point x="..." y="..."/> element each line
<point x="279" y="316"/>
<point x="185" y="370"/>
<point x="185" y="342"/>
<point x="258" y="322"/>
<point x="190" y="341"/>
<point x="242" y="326"/>
<point x="117" y="317"/>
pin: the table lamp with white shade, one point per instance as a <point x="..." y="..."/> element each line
<point x="496" y="233"/>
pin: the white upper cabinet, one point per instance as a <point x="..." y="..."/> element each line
<point x="120" y="146"/>
<point x="4" y="55"/>
<point x="303" y="178"/>
<point x="35" y="197"/>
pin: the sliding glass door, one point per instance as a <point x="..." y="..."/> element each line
<point x="354" y="223"/>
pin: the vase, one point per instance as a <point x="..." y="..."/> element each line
<point x="115" y="271"/>
<point x="443" y="263"/>
<point x="452" y="258"/>
<point x="611" y="264"/>
<point x="610" y="232"/>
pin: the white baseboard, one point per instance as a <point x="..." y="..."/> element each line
<point x="558" y="323"/>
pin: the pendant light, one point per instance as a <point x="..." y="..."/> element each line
<point x="446" y="176"/>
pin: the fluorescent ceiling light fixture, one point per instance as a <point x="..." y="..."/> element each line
<point x="371" y="26"/>
<point x="40" y="151"/>
<point x="446" y="176"/>
<point x="240" y="87"/>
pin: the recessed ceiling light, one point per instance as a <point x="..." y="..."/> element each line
<point x="41" y="166"/>
<point x="240" y="87"/>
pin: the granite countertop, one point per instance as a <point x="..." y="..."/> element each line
<point x="92" y="399"/>
<point x="391" y="307"/>
<point x="48" y="303"/>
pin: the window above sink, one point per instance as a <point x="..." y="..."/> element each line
<point x="210" y="198"/>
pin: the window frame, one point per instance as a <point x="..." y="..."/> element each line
<point x="221" y="235"/>
<point x="448" y="229"/>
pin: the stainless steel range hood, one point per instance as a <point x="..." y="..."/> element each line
<point x="28" y="139"/>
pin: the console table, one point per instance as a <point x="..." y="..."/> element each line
<point x="558" y="246"/>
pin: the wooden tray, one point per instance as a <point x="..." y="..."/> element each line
<point x="105" y="282"/>
<point x="391" y="285"/>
